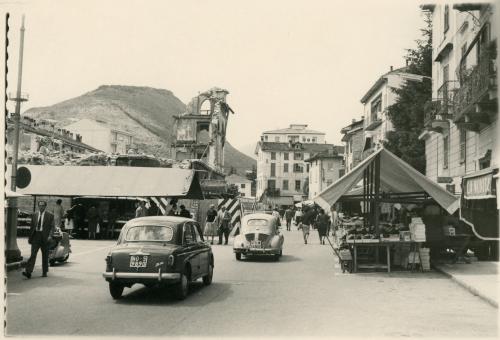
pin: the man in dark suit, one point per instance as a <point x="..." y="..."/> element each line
<point x="41" y="231"/>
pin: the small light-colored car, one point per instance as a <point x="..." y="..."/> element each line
<point x="159" y="250"/>
<point x="259" y="235"/>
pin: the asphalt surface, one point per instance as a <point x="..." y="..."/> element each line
<point x="304" y="294"/>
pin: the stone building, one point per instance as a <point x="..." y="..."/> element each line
<point x="326" y="167"/>
<point x="461" y="119"/>
<point x="200" y="132"/>
<point x="353" y="143"/>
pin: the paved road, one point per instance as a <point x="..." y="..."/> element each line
<point x="304" y="294"/>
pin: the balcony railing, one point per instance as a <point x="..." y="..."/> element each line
<point x="441" y="108"/>
<point x="476" y="84"/>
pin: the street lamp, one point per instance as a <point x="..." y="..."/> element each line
<point x="12" y="252"/>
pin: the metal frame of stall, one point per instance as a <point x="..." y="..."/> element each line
<point x="371" y="199"/>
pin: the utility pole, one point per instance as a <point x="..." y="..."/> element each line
<point x="12" y="252"/>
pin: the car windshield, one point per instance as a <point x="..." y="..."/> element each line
<point x="260" y="225"/>
<point x="147" y="233"/>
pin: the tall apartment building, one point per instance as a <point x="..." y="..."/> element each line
<point x="326" y="168"/>
<point x="101" y="137"/>
<point x="461" y="120"/>
<point x="353" y="143"/>
<point x="376" y="101"/>
<point x="281" y="167"/>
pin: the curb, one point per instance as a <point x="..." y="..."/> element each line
<point x="468" y="287"/>
<point x="16" y="265"/>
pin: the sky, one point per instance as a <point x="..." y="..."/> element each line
<point x="283" y="62"/>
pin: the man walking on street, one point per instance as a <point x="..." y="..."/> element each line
<point x="307" y="220"/>
<point x="184" y="212"/>
<point x="41" y="231"/>
<point x="211" y="222"/>
<point x="288" y="218"/>
<point x="224" y="220"/>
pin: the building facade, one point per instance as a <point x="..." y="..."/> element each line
<point x="325" y="168"/>
<point x="98" y="135"/>
<point x="376" y="123"/>
<point x="461" y="120"/>
<point x="281" y="167"/>
<point x="244" y="184"/>
<point x="35" y="135"/>
<point x="353" y="143"/>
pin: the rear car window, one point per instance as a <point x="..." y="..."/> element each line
<point x="259" y="223"/>
<point x="150" y="233"/>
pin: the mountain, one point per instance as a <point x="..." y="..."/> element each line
<point x="145" y="111"/>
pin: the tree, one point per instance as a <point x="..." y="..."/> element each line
<point x="407" y="114"/>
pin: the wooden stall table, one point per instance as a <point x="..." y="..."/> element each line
<point x="414" y="246"/>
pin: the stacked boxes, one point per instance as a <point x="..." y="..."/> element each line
<point x="425" y="258"/>
<point x="417" y="229"/>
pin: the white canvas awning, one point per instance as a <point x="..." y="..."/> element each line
<point x="395" y="175"/>
<point x="111" y="181"/>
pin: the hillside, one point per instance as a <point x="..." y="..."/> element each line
<point x="145" y="111"/>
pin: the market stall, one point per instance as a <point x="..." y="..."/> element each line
<point x="384" y="217"/>
<point x="107" y="188"/>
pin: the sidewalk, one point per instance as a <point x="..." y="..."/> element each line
<point x="480" y="278"/>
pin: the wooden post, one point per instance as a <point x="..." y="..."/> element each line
<point x="377" y="192"/>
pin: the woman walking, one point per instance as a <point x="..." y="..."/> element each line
<point x="322" y="223"/>
<point x="93" y="222"/>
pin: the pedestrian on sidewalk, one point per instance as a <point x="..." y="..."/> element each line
<point x="58" y="214"/>
<point x="276" y="214"/>
<point x="288" y="218"/>
<point x="307" y="220"/>
<point x="141" y="209"/>
<point x="224" y="221"/>
<point x="93" y="222"/>
<point x="322" y="223"/>
<point x="298" y="218"/>
<point x="184" y="212"/>
<point x="211" y="223"/>
<point x="40" y="237"/>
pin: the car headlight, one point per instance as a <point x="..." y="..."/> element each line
<point x="171" y="260"/>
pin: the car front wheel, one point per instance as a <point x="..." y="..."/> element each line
<point x="207" y="279"/>
<point x="116" y="290"/>
<point x="238" y="256"/>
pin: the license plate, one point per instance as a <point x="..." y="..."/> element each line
<point x="255" y="244"/>
<point x="138" y="261"/>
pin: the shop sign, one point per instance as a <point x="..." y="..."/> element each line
<point x="479" y="187"/>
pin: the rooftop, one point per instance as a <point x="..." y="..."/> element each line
<point x="233" y="179"/>
<point x="380" y="81"/>
<point x="296" y="128"/>
<point x="306" y="147"/>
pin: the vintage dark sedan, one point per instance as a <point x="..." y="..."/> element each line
<point x="159" y="250"/>
<point x="259" y="235"/>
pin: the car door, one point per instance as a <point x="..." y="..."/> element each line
<point x="204" y="250"/>
<point x="191" y="249"/>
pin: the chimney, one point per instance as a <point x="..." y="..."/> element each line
<point x="391" y="68"/>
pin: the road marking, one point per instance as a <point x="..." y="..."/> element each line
<point x="91" y="251"/>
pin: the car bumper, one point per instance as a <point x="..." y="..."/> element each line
<point x="130" y="276"/>
<point x="257" y="251"/>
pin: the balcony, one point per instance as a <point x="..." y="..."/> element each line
<point x="475" y="102"/>
<point x="439" y="110"/>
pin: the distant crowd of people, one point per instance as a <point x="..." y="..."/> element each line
<point x="307" y="218"/>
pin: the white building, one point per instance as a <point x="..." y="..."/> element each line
<point x="295" y="133"/>
<point x="353" y="143"/>
<point x="101" y="137"/>
<point x="461" y="135"/>
<point x="281" y="167"/>
<point x="244" y="184"/>
<point x="375" y="106"/>
<point x="326" y="168"/>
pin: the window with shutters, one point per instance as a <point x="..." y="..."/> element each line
<point x="285" y="168"/>
<point x="285" y="184"/>
<point x="297" y="185"/>
<point x="273" y="169"/>
<point x="446" y="149"/>
<point x="285" y="156"/>
<point x="273" y="156"/>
